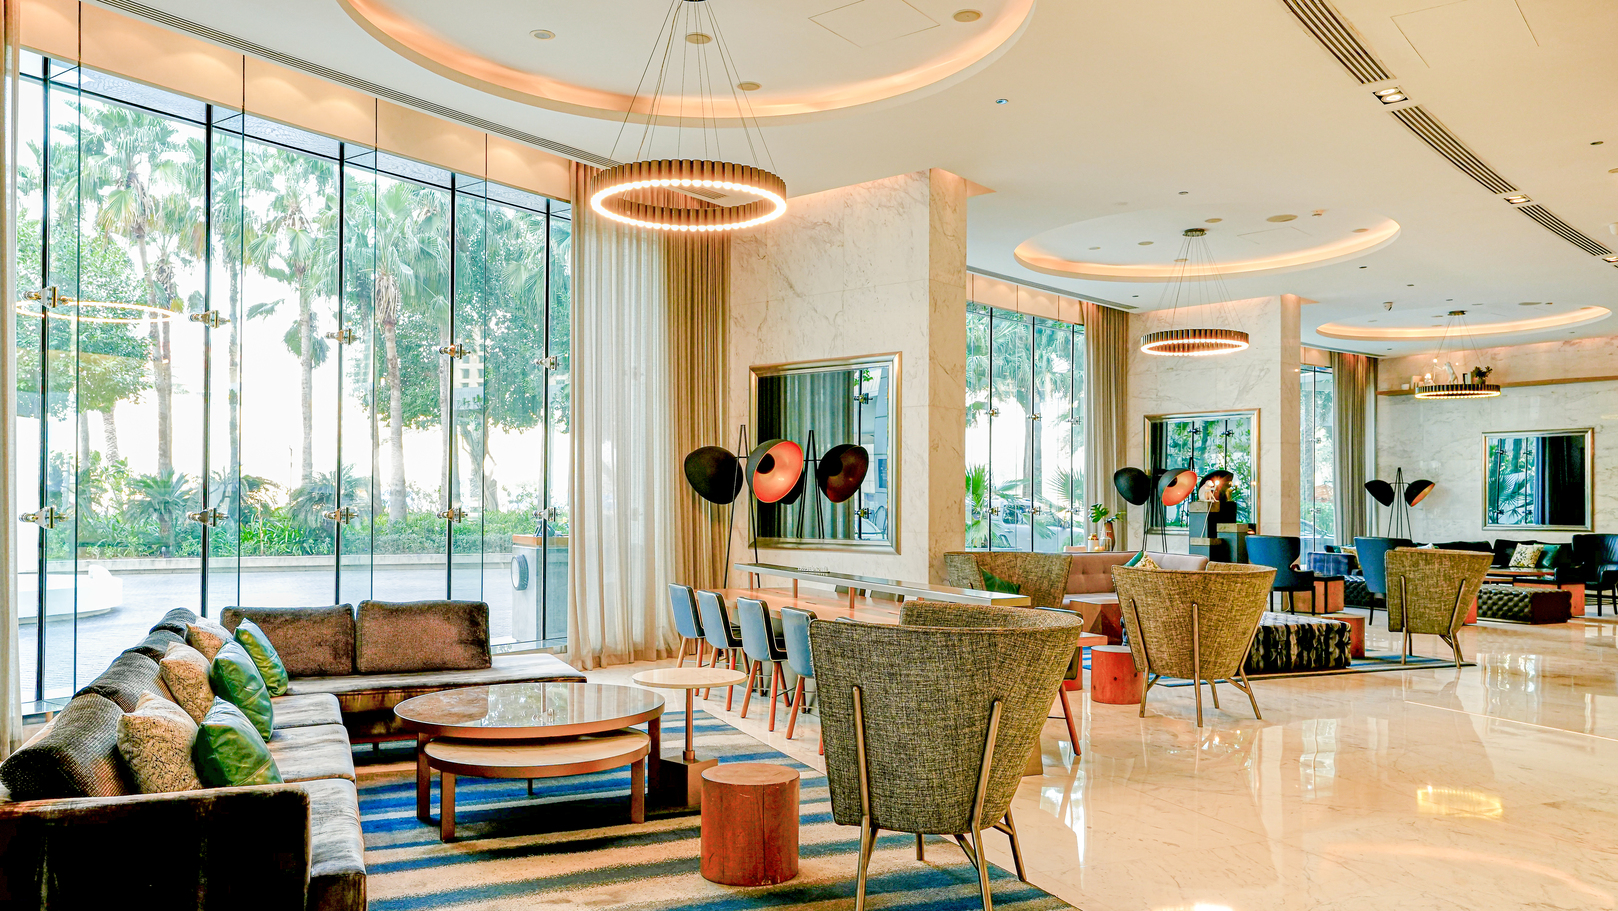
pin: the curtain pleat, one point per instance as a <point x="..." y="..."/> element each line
<point x="1351" y="386"/>
<point x="1106" y="384"/>
<point x="649" y="324"/>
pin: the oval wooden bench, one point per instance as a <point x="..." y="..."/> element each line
<point x="749" y="824"/>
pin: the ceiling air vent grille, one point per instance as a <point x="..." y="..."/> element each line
<point x="1445" y="143"/>
<point x="1564" y="230"/>
<point x="1338" y="37"/>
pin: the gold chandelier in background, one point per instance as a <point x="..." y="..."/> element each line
<point x="646" y="193"/>
<point x="1471" y="385"/>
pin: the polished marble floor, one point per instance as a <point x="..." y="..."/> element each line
<point x="1494" y="787"/>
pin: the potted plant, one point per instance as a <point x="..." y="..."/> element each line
<point x="1100" y="517"/>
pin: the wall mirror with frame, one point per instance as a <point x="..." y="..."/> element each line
<point x="818" y="405"/>
<point x="1225" y="440"/>
<point x="1538" y="479"/>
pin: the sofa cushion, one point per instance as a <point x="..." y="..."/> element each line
<point x="336" y="846"/>
<point x="206" y="637"/>
<point x="1191" y="562"/>
<point x="260" y="649"/>
<point x="78" y="757"/>
<point x="185" y="672"/>
<point x="236" y="678"/>
<point x="176" y="621"/>
<point x="155" y="741"/>
<point x="420" y="636"/>
<point x="309" y="753"/>
<point x="303" y="711"/>
<point x="156" y="644"/>
<point x="125" y="679"/>
<point x="1088" y="573"/>
<point x="312" y="641"/>
<point x="229" y="750"/>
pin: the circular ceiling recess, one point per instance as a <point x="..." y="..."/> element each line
<point x="809" y="59"/>
<point x="1249" y="240"/>
<point x="1417" y="324"/>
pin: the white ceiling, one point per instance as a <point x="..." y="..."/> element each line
<point x="1173" y="104"/>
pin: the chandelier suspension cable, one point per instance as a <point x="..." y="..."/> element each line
<point x="629" y="109"/>
<point x="740" y="98"/>
<point x="1196" y="256"/>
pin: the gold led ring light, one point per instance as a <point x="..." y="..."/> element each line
<point x="608" y="197"/>
<point x="1199" y="341"/>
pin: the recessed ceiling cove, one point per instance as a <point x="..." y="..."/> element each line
<point x="796" y="58"/>
<point x="1418" y="324"/>
<point x="1244" y="239"/>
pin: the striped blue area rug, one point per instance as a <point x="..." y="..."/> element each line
<point x="571" y="846"/>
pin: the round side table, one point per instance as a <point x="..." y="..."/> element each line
<point x="749" y="824"/>
<point x="1113" y="678"/>
<point x="1356" y="627"/>
<point x="680" y="777"/>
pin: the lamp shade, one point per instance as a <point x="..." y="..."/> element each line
<point x="774" y="469"/>
<point x="841" y="471"/>
<point x="1133" y="485"/>
<point x="1215" y="486"/>
<point x="1380" y="491"/>
<point x="1417" y="491"/>
<point x="714" y="473"/>
<point x="1176" y="486"/>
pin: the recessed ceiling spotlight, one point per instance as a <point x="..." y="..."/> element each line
<point x="749" y="86"/>
<point x="1365" y="267"/>
<point x="698" y="38"/>
<point x="1610" y="259"/>
<point x="1212" y="221"/>
<point x="1528" y="303"/>
<point x="1361" y="230"/>
<point x="543" y="34"/>
<point x="1185" y="192"/>
<point x="1370" y="320"/>
<point x="1391" y="96"/>
<point x="967" y="15"/>
<point x="1146" y="243"/>
<point x="1181" y="260"/>
<point x="1410" y="286"/>
<point x="1280" y="218"/>
<point x="1518" y="199"/>
<point x="1095" y="248"/>
<point x="1599" y="142"/>
<point x="1008" y="101"/>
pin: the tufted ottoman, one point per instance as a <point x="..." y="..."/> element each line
<point x="1286" y="643"/>
<point x="1524" y="605"/>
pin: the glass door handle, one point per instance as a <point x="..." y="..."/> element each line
<point x="546" y="363"/>
<point x="453" y="514"/>
<point x="456" y="350"/>
<point x="210" y="318"/>
<point x="208" y="517"/>
<point x="45" y="518"/>
<point x="345" y="337"/>
<point x="342" y="516"/>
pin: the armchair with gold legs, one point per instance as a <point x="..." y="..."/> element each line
<point x="1430" y="591"/>
<point x="928" y="725"/>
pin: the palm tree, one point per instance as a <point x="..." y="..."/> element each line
<point x="311" y="500"/>
<point x="163" y="497"/>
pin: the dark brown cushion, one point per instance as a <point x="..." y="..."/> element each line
<point x="395" y="637"/>
<point x="129" y="675"/>
<point x="156" y="644"/>
<point x="312" y="641"/>
<point x="175" y="621"/>
<point x="77" y="757"/>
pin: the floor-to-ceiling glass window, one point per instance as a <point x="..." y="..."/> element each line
<point x="263" y="366"/>
<point x="1024" y="432"/>
<point x="1317" y="500"/>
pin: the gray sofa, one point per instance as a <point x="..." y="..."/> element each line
<point x="70" y="807"/>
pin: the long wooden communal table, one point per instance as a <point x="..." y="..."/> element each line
<point x="853" y="583"/>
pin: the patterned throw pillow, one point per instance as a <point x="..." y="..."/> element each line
<point x="251" y="638"/>
<point x="1146" y="562"/>
<point x="206" y="637"/>
<point x="156" y="741"/>
<point x="1526" y="556"/>
<point x="185" y="673"/>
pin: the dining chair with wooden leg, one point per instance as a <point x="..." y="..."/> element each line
<point x="761" y="647"/>
<point x="683" y="599"/>
<point x="725" y="639"/>
<point x="795" y="629"/>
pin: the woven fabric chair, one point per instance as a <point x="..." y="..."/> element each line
<point x="929" y="725"/>
<point x="1041" y="577"/>
<point x="1430" y="592"/>
<point x="1197" y="626"/>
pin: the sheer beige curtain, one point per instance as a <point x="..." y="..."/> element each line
<point x="1352" y="378"/>
<point x="1106" y="378"/>
<point x="649" y="317"/>
<point x="10" y="660"/>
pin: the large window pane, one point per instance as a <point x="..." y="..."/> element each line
<point x="1317" y="521"/>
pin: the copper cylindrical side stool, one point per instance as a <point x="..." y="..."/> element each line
<point x="749" y="824"/>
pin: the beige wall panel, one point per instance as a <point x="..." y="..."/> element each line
<point x="1035" y="302"/>
<point x="528" y="168"/>
<point x="160" y="57"/>
<point x="411" y="133"/>
<point x="1070" y="310"/>
<point x="995" y="293"/>
<point x="50" y="27"/>
<point x="304" y="101"/>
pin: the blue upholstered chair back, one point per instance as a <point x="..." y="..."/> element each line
<point x="684" y="601"/>
<point x="716" y="620"/>
<point x="1373" y="554"/>
<point x="1279" y="551"/>
<point x="757" y="639"/>
<point x="795" y="627"/>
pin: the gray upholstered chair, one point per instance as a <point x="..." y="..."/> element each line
<point x="1197" y="626"/>
<point x="928" y="725"/>
<point x="1430" y="592"/>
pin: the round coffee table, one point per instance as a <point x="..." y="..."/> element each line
<point x="681" y="781"/>
<point x="525" y="711"/>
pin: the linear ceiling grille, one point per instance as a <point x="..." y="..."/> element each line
<point x="1448" y="145"/>
<point x="1338" y="37"/>
<point x="1566" y="231"/>
<point x="215" y="36"/>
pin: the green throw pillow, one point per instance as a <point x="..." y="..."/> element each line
<point x="251" y="638"/>
<point x="994" y="583"/>
<point x="229" y="751"/>
<point x="1136" y="558"/>
<point x="1552" y="556"/>
<point x="236" y="679"/>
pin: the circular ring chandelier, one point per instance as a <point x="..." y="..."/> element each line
<point x="111" y="312"/>
<point x="611" y="190"/>
<point x="680" y="193"/>
<point x="1197" y="341"/>
<point x="1461" y="386"/>
<point x="1457" y="391"/>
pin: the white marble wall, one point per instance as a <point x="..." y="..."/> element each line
<point x="1443" y="440"/>
<point x="1263" y="377"/>
<point x="868" y="269"/>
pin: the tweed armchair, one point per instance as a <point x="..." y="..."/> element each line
<point x="928" y="725"/>
<point x="1042" y="577"/>
<point x="1430" y="591"/>
<point x="1194" y="625"/>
